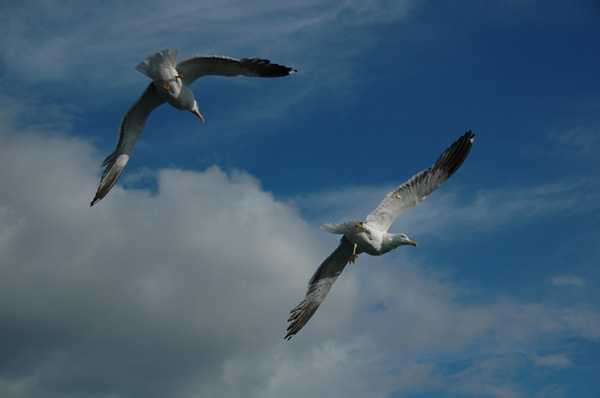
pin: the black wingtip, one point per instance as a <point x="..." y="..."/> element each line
<point x="455" y="155"/>
<point x="265" y="68"/>
<point x="471" y="135"/>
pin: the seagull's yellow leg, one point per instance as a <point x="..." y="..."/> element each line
<point x="398" y="196"/>
<point x="354" y="255"/>
<point x="166" y="87"/>
<point x="179" y="76"/>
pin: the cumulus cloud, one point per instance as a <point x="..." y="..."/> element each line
<point x="139" y="285"/>
<point x="185" y="292"/>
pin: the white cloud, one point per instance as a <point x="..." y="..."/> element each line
<point x="583" y="140"/>
<point x="68" y="41"/>
<point x="186" y="293"/>
<point x="450" y="208"/>
<point x="567" y="280"/>
<point x="172" y="282"/>
<point x="552" y="361"/>
<point x="552" y="391"/>
<point x="440" y="317"/>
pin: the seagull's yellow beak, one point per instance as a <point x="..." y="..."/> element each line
<point x="410" y="242"/>
<point x="199" y="115"/>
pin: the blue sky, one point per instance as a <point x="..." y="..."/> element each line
<point x="180" y="281"/>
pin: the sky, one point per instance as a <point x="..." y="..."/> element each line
<point x="180" y="281"/>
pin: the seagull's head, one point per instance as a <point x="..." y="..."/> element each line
<point x="403" y="240"/>
<point x="196" y="111"/>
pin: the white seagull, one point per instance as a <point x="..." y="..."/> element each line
<point x="171" y="81"/>
<point x="371" y="236"/>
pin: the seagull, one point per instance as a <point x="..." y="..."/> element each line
<point x="170" y="84"/>
<point x="371" y="236"/>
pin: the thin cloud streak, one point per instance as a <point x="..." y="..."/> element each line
<point x="452" y="207"/>
<point x="72" y="51"/>
<point x="567" y="280"/>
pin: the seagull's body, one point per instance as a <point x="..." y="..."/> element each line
<point x="170" y="84"/>
<point x="371" y="236"/>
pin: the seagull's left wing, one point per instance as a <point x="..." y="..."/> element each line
<point x="319" y="286"/>
<point x="421" y="185"/>
<point x="203" y="65"/>
<point x="131" y="127"/>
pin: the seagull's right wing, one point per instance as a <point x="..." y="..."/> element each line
<point x="421" y="185"/>
<point x="319" y="286"/>
<point x="131" y="127"/>
<point x="203" y="65"/>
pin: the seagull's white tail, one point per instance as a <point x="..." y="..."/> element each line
<point x="157" y="63"/>
<point x="116" y="163"/>
<point x="344" y="228"/>
<point x="332" y="228"/>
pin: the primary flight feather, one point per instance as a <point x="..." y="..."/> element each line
<point x="371" y="236"/>
<point x="170" y="84"/>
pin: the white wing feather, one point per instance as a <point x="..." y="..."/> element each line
<point x="319" y="286"/>
<point x="204" y="65"/>
<point x="131" y="127"/>
<point x="421" y="185"/>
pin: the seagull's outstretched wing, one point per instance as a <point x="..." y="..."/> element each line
<point x="319" y="286"/>
<point x="421" y="185"/>
<point x="203" y="65"/>
<point x="131" y="126"/>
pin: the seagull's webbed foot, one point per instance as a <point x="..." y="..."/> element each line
<point x="179" y="76"/>
<point x="354" y="255"/>
<point x="166" y="87"/>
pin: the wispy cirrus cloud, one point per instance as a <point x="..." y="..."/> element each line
<point x="567" y="280"/>
<point x="582" y="139"/>
<point x="558" y="361"/>
<point x="74" y="47"/>
<point x="451" y="206"/>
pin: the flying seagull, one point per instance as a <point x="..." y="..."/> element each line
<point x="371" y="236"/>
<point x="171" y="81"/>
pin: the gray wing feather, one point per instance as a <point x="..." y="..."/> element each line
<point x="319" y="286"/>
<point x="131" y="127"/>
<point x="203" y="65"/>
<point x="421" y="185"/>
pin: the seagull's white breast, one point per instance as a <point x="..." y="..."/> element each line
<point x="369" y="240"/>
